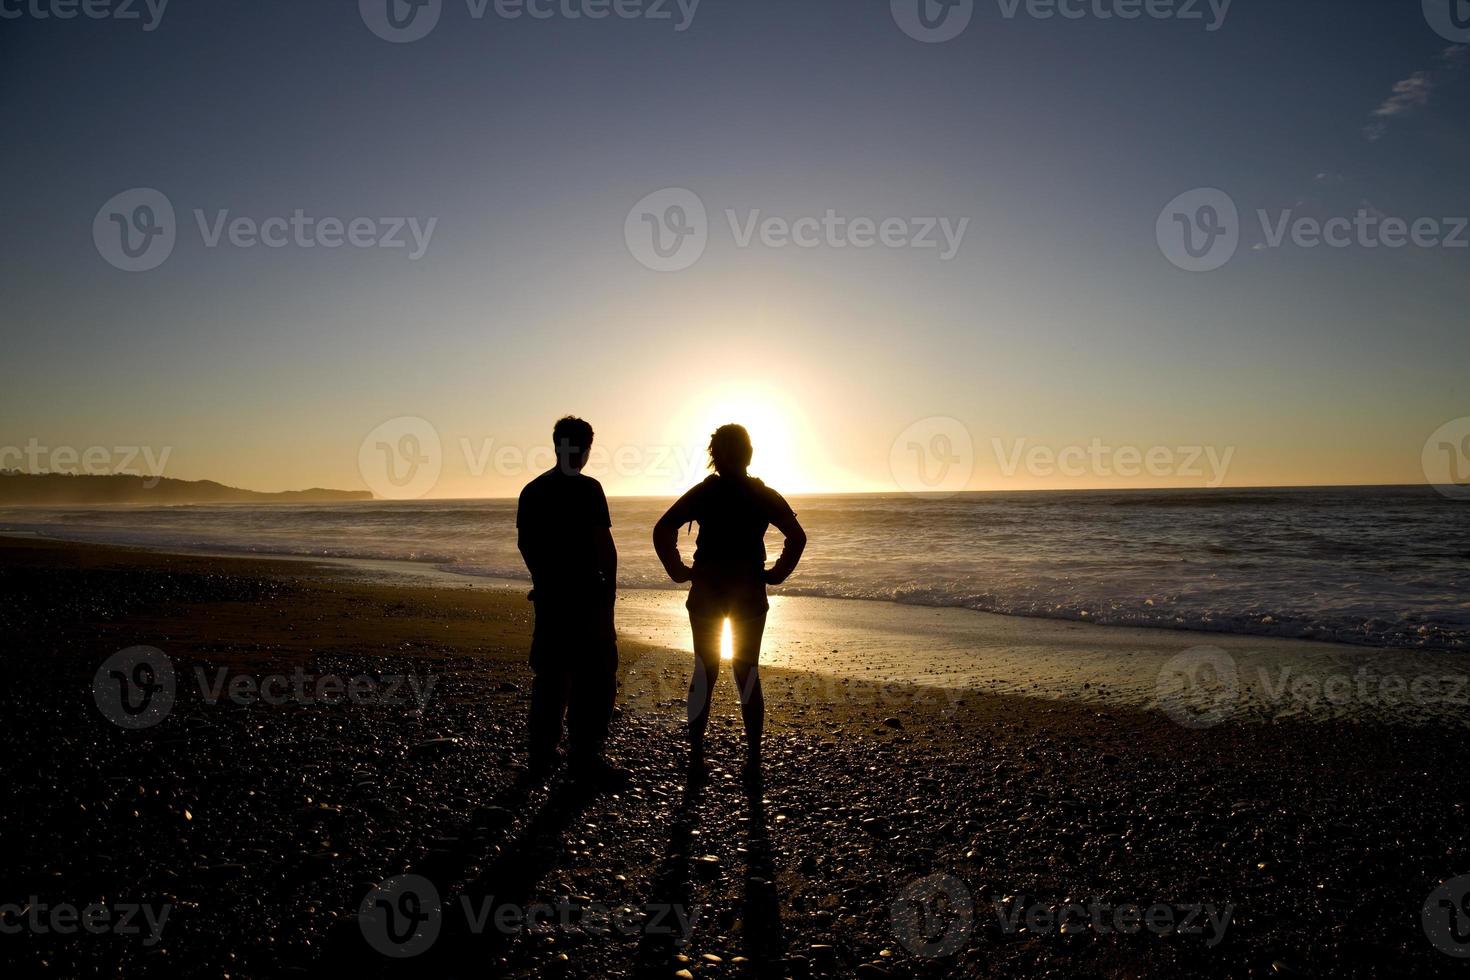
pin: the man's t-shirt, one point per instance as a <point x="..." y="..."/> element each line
<point x="560" y="517"/>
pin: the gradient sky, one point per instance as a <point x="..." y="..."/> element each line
<point x="1058" y="322"/>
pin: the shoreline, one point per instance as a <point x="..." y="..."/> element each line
<point x="1251" y="678"/>
<point x="1268" y="613"/>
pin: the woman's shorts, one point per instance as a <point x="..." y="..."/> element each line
<point x="736" y="596"/>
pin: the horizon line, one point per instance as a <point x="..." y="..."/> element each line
<point x="957" y="493"/>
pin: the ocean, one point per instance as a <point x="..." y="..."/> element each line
<point x="1378" y="566"/>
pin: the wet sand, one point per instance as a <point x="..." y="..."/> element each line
<point x="1207" y="677"/>
<point x="263" y="826"/>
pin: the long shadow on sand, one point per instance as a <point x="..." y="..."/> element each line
<point x="670" y="888"/>
<point x="762" y="935"/>
<point x="510" y="880"/>
<point x="760" y="912"/>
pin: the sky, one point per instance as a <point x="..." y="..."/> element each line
<point x="976" y="277"/>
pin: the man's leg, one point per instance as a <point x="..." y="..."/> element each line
<point x="549" y="688"/>
<point x="594" y="689"/>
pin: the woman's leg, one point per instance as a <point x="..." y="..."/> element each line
<point x="706" y="669"/>
<point x="746" y="636"/>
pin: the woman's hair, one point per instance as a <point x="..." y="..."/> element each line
<point x="729" y="449"/>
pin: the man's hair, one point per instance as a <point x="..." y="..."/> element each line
<point x="572" y="432"/>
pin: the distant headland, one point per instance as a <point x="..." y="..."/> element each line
<point x="20" y="488"/>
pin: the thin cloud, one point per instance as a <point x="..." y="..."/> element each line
<point x="1409" y="94"/>
<point x="1413" y="93"/>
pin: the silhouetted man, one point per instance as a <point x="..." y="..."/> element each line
<point x="565" y="536"/>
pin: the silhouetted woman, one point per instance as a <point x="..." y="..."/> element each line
<point x="730" y="577"/>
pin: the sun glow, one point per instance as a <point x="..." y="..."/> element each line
<point x="727" y="641"/>
<point x="784" y="451"/>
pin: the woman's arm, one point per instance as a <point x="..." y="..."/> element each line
<point x="786" y="522"/>
<point x="666" y="537"/>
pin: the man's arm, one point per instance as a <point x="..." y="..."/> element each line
<point x="527" y="541"/>
<point x="605" y="550"/>
<point x="607" y="557"/>
<point x="531" y="553"/>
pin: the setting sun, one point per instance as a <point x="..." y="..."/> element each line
<point x="785" y="454"/>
